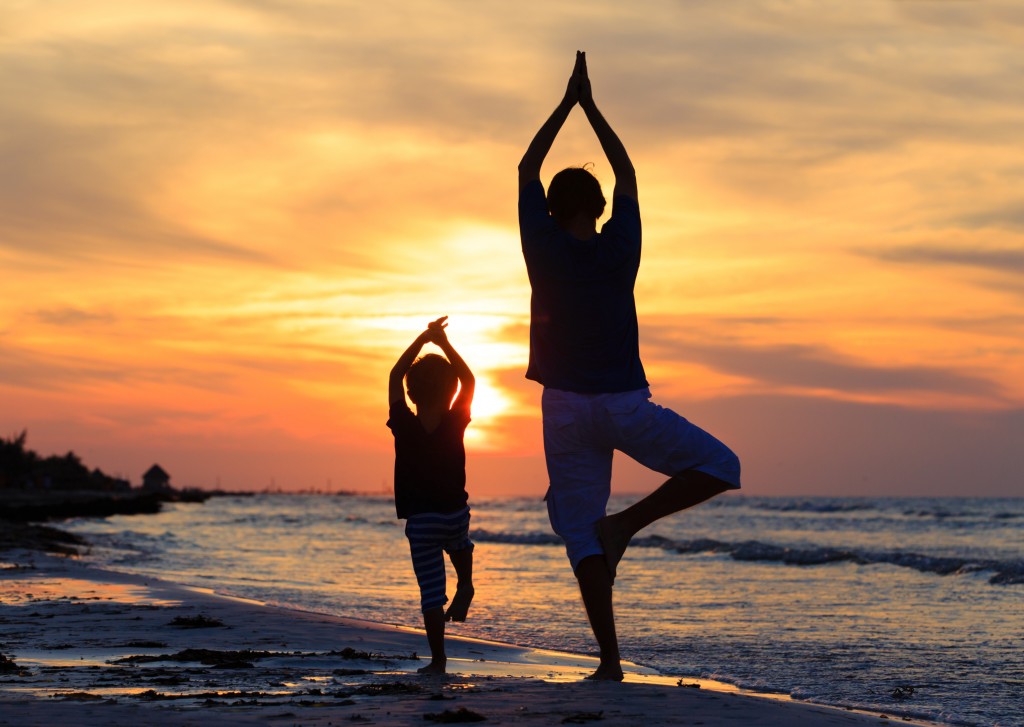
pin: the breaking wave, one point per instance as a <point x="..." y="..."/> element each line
<point x="1004" y="572"/>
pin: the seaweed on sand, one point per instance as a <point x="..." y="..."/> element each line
<point x="214" y="657"/>
<point x="151" y="695"/>
<point x="80" y="697"/>
<point x="196" y="622"/>
<point x="388" y="689"/>
<point x="27" y="536"/>
<point x="349" y="653"/>
<point x="455" y="716"/>
<point x="8" y="666"/>
<point x="209" y="657"/>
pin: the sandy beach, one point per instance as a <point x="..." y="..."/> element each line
<point x="88" y="646"/>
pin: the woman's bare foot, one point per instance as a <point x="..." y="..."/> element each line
<point x="436" y="666"/>
<point x="613" y="540"/>
<point x="460" y="604"/>
<point x="607" y="673"/>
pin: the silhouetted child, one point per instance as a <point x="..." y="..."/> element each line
<point x="430" y="477"/>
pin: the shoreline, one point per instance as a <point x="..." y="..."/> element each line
<point x="35" y="505"/>
<point x="94" y="646"/>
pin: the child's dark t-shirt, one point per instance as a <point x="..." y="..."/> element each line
<point x="430" y="467"/>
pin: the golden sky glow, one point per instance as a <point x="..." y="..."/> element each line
<point x="221" y="223"/>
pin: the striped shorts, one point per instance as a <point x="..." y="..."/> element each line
<point x="431" y="534"/>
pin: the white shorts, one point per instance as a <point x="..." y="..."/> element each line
<point x="581" y="432"/>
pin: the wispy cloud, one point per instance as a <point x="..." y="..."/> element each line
<point x="46" y="371"/>
<point x="69" y="316"/>
<point x="796" y="367"/>
<point x="1007" y="217"/>
<point x="1006" y="261"/>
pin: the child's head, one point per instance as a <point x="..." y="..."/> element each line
<point x="575" y="191"/>
<point x="431" y="380"/>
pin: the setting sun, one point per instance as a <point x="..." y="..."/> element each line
<point x="490" y="404"/>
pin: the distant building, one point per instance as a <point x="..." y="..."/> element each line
<point x="156" y="480"/>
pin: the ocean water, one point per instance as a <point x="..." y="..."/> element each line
<point x="846" y="602"/>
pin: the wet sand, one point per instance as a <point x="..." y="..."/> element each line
<point x="93" y="647"/>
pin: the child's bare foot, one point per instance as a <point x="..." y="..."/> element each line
<point x="607" y="673"/>
<point x="460" y="604"/>
<point x="613" y="540"/>
<point x="436" y="666"/>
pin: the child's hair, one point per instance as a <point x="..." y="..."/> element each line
<point x="572" y="191"/>
<point x="431" y="379"/>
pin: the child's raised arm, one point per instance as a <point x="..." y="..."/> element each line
<point x="467" y="382"/>
<point x="396" y="381"/>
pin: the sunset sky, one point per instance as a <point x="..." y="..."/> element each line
<point x="222" y="222"/>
